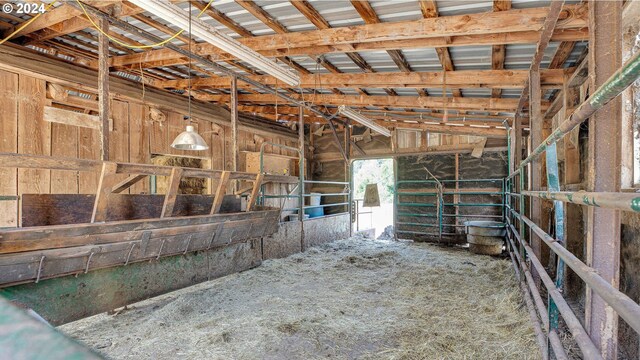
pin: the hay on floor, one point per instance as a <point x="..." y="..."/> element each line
<point x="349" y="299"/>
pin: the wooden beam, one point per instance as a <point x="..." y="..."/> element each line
<point x="310" y="13"/>
<point x="498" y="51"/>
<point x="80" y="22"/>
<point x="502" y="79"/>
<point x="105" y="185"/>
<point x="233" y="105"/>
<point x="127" y="183"/>
<point x="172" y="193"/>
<point x="103" y="87"/>
<point x="221" y="190"/>
<point x="73" y="118"/>
<point x="562" y="54"/>
<point x="368" y="14"/>
<point x="537" y="172"/>
<point x="550" y="23"/>
<point x="512" y="26"/>
<point x="479" y="104"/>
<point x="429" y="10"/>
<point x="251" y="201"/>
<point x="50" y="18"/>
<point x="20" y="59"/>
<point x="603" y="225"/>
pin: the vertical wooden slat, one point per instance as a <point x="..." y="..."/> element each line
<point x="103" y="86"/>
<point x="603" y="229"/>
<point x="251" y="201"/>
<point x="139" y="133"/>
<point x="234" y="126"/>
<point x="220" y="192"/>
<point x="8" y="143"/>
<point x="535" y="121"/>
<point x="107" y="181"/>
<point x="88" y="149"/>
<point x="172" y="192"/>
<point x="64" y="143"/>
<point x="34" y="134"/>
<point x="119" y="136"/>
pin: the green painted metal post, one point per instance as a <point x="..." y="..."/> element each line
<point x="553" y="184"/>
<point x="521" y="211"/>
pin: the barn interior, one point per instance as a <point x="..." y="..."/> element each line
<point x="406" y="179"/>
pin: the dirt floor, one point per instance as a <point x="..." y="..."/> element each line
<point x="351" y="299"/>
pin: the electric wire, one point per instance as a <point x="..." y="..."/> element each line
<point x="27" y="23"/>
<point x="137" y="46"/>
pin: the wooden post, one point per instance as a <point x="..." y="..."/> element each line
<point x="220" y="192"/>
<point x="603" y="225"/>
<point x="105" y="185"/>
<point x="251" y="201"/>
<point x="302" y="166"/>
<point x="302" y="173"/>
<point x="535" y="123"/>
<point x="172" y="192"/>
<point x="233" y="106"/>
<point x="103" y="87"/>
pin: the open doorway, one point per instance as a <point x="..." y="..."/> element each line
<point x="373" y="218"/>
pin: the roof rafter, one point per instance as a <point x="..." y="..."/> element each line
<point x="368" y="14"/>
<point x="465" y="103"/>
<point x="429" y="10"/>
<point x="512" y="26"/>
<point x="500" y="79"/>
<point x="498" y="52"/>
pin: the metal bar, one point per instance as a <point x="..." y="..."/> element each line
<point x="326" y="205"/>
<point x="416" y="205"/>
<point x="417" y="224"/>
<point x="628" y="309"/>
<point x="448" y="193"/>
<point x="337" y="139"/>
<point x="611" y="88"/>
<point x="610" y="200"/>
<point x="583" y="340"/>
<point x="326" y="182"/>
<point x="471" y="204"/>
<point x="446" y="181"/>
<point x="472" y="215"/>
<point x="553" y="183"/>
<point x="321" y="194"/>
<point x="417" y="215"/>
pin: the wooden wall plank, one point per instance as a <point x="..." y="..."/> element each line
<point x="119" y="137"/>
<point x="8" y="143"/>
<point x="139" y="142"/>
<point x="34" y="134"/>
<point x="64" y="143"/>
<point x="88" y="148"/>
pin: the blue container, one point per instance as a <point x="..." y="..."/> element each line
<point x="314" y="211"/>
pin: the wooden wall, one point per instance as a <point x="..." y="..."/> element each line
<point x="135" y="137"/>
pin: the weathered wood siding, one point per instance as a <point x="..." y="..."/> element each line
<point x="135" y="137"/>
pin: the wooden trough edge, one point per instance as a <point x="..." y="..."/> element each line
<point x="33" y="266"/>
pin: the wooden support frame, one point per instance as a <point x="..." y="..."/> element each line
<point x="103" y="87"/>
<point x="105" y="186"/>
<point x="603" y="225"/>
<point x="251" y="201"/>
<point x="127" y="183"/>
<point x="172" y="192"/>
<point x="221" y="190"/>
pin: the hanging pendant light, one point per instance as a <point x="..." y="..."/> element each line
<point x="189" y="139"/>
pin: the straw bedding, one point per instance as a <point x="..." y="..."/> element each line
<point x="350" y="299"/>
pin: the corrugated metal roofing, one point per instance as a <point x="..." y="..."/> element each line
<point x="340" y="13"/>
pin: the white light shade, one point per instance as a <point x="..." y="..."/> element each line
<point x="345" y="111"/>
<point x="189" y="140"/>
<point x="208" y="33"/>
